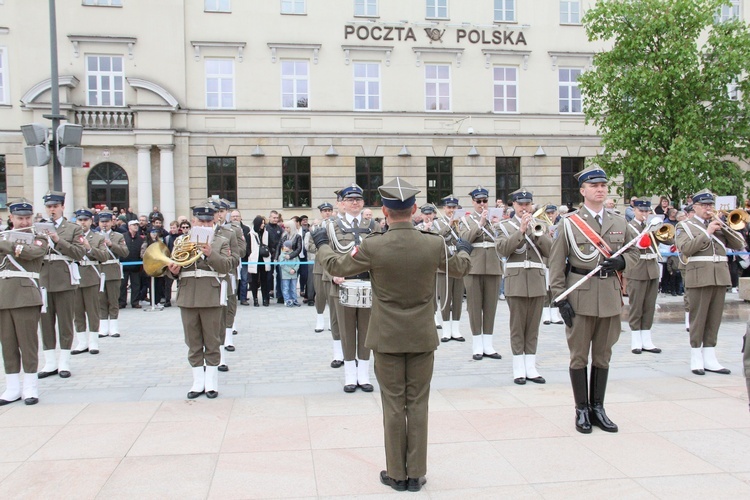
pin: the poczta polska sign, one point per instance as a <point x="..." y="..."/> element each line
<point x="406" y="34"/>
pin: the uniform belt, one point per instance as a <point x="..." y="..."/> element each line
<point x="360" y="276"/>
<point x="648" y="256"/>
<point x="527" y="264"/>
<point x="18" y="274"/>
<point x="200" y="273"/>
<point x="601" y="274"/>
<point x="111" y="261"/>
<point x="708" y="258"/>
<point x="54" y="256"/>
<point x="483" y="244"/>
<point x="87" y="262"/>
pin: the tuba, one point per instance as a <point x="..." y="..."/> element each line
<point x="664" y="233"/>
<point x="157" y="256"/>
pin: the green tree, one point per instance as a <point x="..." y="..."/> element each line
<point x="670" y="98"/>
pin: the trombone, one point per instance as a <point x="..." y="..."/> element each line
<point x="737" y="219"/>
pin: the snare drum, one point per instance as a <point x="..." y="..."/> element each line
<point x="356" y="293"/>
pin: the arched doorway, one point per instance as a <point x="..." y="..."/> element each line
<point x="108" y="185"/>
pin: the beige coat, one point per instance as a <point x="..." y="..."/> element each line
<point x="693" y="241"/>
<point x="484" y="260"/>
<point x="519" y="281"/>
<point x="98" y="253"/>
<point x="206" y="291"/>
<point x="56" y="274"/>
<point x="22" y="292"/>
<point x="118" y="250"/>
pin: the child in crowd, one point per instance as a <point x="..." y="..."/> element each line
<point x="289" y="275"/>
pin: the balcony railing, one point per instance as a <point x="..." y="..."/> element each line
<point x="105" y="119"/>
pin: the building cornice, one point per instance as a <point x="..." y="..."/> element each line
<point x="76" y="40"/>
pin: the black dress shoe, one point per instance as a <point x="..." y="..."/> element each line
<point x="310" y="302"/>
<point x="398" y="485"/>
<point x="445" y="339"/>
<point x="4" y="402"/>
<point x="366" y="387"/>
<point x="337" y="363"/>
<point x="212" y="394"/>
<point x="458" y="339"/>
<point x="265" y="303"/>
<point x="223" y="368"/>
<point x="115" y="335"/>
<point x="415" y="483"/>
<point x="79" y="352"/>
<point x="495" y="355"/>
<point x="93" y="351"/>
<point x="536" y="380"/>
<point x="30" y="401"/>
<point x="229" y="348"/>
<point x="255" y="302"/>
<point x="477" y="357"/>
<point x="64" y="374"/>
<point x="46" y="374"/>
<point x="350" y="388"/>
<point x="655" y="350"/>
<point x="546" y="322"/>
<point x="439" y="327"/>
<point x="600" y="419"/>
<point x="583" y="424"/>
<point x="519" y="381"/>
<point x="194" y="394"/>
<point x="723" y="371"/>
<point x="699" y="372"/>
<point x="102" y="336"/>
<point x="636" y="351"/>
<point x="167" y="304"/>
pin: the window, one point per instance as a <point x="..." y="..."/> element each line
<point x="220" y="83"/>
<point x="570" y="93"/>
<point x="4" y="98"/>
<point x="733" y="89"/>
<point x="105" y="79"/>
<point x="366" y="87"/>
<point x="437" y="88"/>
<point x="439" y="179"/>
<point x="295" y="179"/>
<point x="369" y="177"/>
<point x="437" y="9"/>
<point x="295" y="92"/>
<point x="367" y="8"/>
<point x="570" y="194"/>
<point x="570" y="11"/>
<point x="507" y="176"/>
<point x="505" y="11"/>
<point x="221" y="177"/>
<point x="3" y="184"/>
<point x="727" y="12"/>
<point x="103" y="3"/>
<point x="292" y="6"/>
<point x="506" y="89"/>
<point x="217" y="5"/>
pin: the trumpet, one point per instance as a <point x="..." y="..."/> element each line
<point x="158" y="257"/>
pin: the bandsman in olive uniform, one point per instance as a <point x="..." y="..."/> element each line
<point x="60" y="277"/>
<point x="592" y="311"/>
<point x="346" y="233"/>
<point x="237" y="253"/>
<point x="224" y="230"/>
<point x="20" y="304"/>
<point x="200" y="299"/>
<point x="427" y="224"/>
<point x="483" y="282"/>
<point x="525" y="243"/>
<point x="323" y="289"/>
<point x="643" y="284"/>
<point x="703" y="243"/>
<point x="402" y="334"/>
<point x="109" y="305"/>
<point x="92" y="281"/>
<point x="450" y="290"/>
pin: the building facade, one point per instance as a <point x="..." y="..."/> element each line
<point x="275" y="104"/>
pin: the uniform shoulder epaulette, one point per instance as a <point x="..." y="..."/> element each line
<point x="424" y="231"/>
<point x="616" y="214"/>
<point x="565" y="216"/>
<point x="374" y="233"/>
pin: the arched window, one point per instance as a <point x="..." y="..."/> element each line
<point x="108" y="185"/>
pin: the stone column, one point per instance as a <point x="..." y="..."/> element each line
<point x="67" y="187"/>
<point x="166" y="182"/>
<point x="145" y="198"/>
<point x="41" y="186"/>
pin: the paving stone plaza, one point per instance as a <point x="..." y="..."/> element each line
<point x="282" y="427"/>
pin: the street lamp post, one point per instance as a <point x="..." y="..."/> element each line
<point x="55" y="116"/>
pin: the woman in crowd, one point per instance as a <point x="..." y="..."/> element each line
<point x="258" y="245"/>
<point x="663" y="207"/>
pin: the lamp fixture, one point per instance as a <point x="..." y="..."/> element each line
<point x="257" y="151"/>
<point x="404" y="152"/>
<point x="332" y="151"/>
<point x="473" y="151"/>
<point x="540" y="152"/>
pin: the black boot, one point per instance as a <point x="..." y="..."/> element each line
<point x="580" y="394"/>
<point x="598" y="389"/>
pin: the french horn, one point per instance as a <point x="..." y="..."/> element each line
<point x="157" y="256"/>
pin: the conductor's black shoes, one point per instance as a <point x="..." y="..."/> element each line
<point x="415" y="483"/>
<point x="393" y="483"/>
